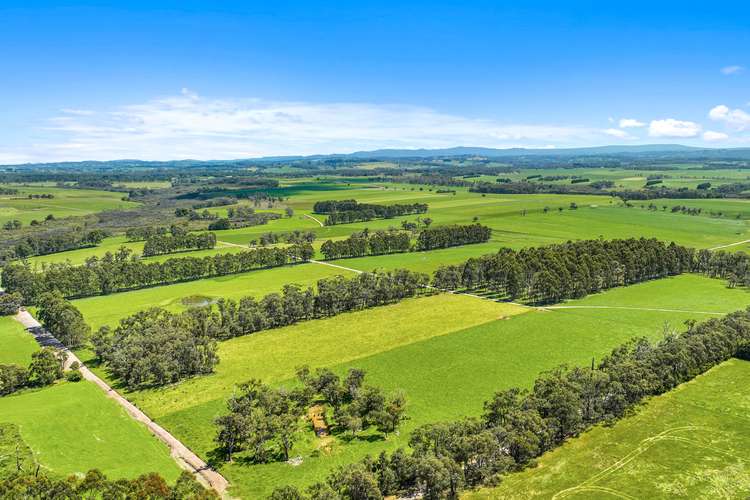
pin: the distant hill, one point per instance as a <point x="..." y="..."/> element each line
<point x="644" y="151"/>
<point x="497" y="153"/>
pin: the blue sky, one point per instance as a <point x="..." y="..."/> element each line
<point x="164" y="80"/>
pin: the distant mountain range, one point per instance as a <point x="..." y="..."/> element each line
<point x="645" y="150"/>
<point x="497" y="153"/>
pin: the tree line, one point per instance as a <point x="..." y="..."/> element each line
<point x="569" y="270"/>
<point x="120" y="271"/>
<point x="293" y="237"/>
<point x="518" y="425"/>
<point x="265" y="421"/>
<point x="57" y="241"/>
<point x="45" y="368"/>
<point x="451" y="236"/>
<point x="163" y="244"/>
<point x="157" y="347"/>
<point x="346" y="211"/>
<point x="94" y="484"/>
<point x="365" y="242"/>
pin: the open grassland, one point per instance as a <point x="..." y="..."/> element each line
<point x="109" y="309"/>
<point x="627" y="178"/>
<point x="113" y="244"/>
<point x="689" y="443"/>
<point x="516" y="221"/>
<point x="449" y="353"/>
<point x="73" y="427"/>
<point x="66" y="203"/>
<point x="16" y="345"/>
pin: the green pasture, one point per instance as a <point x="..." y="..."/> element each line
<point x="66" y="203"/>
<point x="73" y="427"/>
<point x="16" y="344"/>
<point x="78" y="257"/>
<point x="449" y="353"/>
<point x="109" y="309"/>
<point x="689" y="443"/>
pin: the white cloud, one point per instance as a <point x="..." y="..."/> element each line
<point x="77" y="112"/>
<point x="631" y="123"/>
<point x="732" y="70"/>
<point x="670" y="127"/>
<point x="616" y="132"/>
<point x="191" y="126"/>
<point x="710" y="135"/>
<point x="734" y="118"/>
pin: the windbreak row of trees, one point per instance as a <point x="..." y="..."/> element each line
<point x="569" y="270"/>
<point x="451" y="236"/>
<point x="157" y="347"/>
<point x="57" y="241"/>
<point x="519" y="425"/>
<point x="144" y="232"/>
<point x="345" y="211"/>
<point x="118" y="272"/>
<point x="365" y="242"/>
<point x="163" y="244"/>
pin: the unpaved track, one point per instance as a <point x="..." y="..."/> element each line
<point x="181" y="453"/>
<point x="730" y="245"/>
<point x="313" y="218"/>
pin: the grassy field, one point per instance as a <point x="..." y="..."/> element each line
<point x="17" y="344"/>
<point x="109" y="309"/>
<point x="516" y="221"/>
<point x="449" y="353"/>
<point x="690" y="443"/>
<point x="66" y="202"/>
<point x="73" y="427"/>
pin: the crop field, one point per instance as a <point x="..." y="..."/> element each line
<point x="449" y="353"/>
<point x="66" y="202"/>
<point x="73" y="427"/>
<point x="689" y="443"/>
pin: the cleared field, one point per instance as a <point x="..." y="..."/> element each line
<point x="16" y="345"/>
<point x="449" y="357"/>
<point x="66" y="203"/>
<point x="73" y="427"/>
<point x="689" y="443"/>
<point x="113" y="244"/>
<point x="109" y="309"/>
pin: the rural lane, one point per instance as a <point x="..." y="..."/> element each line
<point x="181" y="453"/>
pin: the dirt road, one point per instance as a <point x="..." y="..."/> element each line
<point x="181" y="453"/>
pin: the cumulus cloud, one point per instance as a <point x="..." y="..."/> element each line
<point x="188" y="125"/>
<point x="736" y="119"/>
<point x="669" y="127"/>
<point x="631" y="123"/>
<point x="732" y="70"/>
<point x="710" y="135"/>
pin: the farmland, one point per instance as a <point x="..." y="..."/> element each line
<point x="691" y="443"/>
<point x="447" y="361"/>
<point x="448" y="353"/>
<point x="73" y="427"/>
<point x="65" y="203"/>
